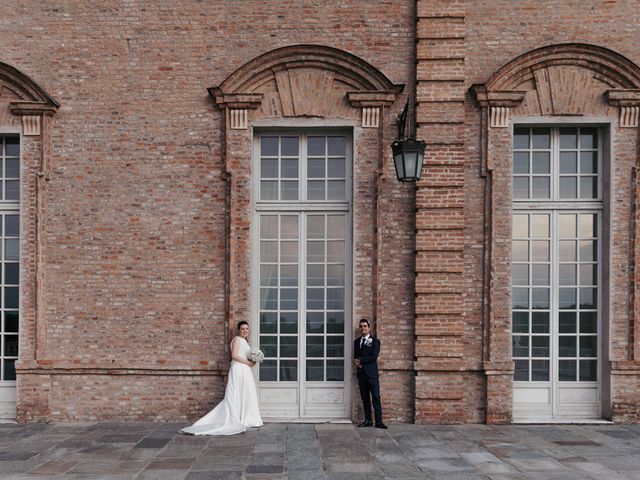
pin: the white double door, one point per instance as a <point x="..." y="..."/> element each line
<point x="556" y="298"/>
<point x="303" y="309"/>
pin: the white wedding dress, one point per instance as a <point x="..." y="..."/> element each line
<point x="238" y="410"/>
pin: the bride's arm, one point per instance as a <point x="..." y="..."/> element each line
<point x="235" y="353"/>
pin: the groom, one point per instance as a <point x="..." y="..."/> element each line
<point x="365" y="357"/>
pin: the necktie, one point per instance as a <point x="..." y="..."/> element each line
<point x="361" y="343"/>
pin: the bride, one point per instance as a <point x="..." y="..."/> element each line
<point x="239" y="407"/>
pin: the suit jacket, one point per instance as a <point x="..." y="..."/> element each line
<point x="368" y="356"/>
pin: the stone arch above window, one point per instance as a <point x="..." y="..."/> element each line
<point x="20" y="95"/>
<point x="568" y="79"/>
<point x="305" y="81"/>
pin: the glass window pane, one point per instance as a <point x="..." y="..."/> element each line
<point x="568" y="188"/>
<point x="540" y="274"/>
<point x="588" y="346"/>
<point x="541" y="138"/>
<point x="269" y="345"/>
<point x="521" y="226"/>
<point x="11" y="322"/>
<point x="12" y="168"/>
<point x="520" y="250"/>
<point x="288" y="370"/>
<point x="315" y="370"/>
<point x="588" y="137"/>
<point x="336" y="168"/>
<point x="540" y="370"/>
<point x="335" y="322"/>
<point x="289" y="146"/>
<point x="315" y="251"/>
<point x="289" y="227"/>
<point x="289" y="347"/>
<point x="268" y="227"/>
<point x="520" y="274"/>
<point x="521" y="373"/>
<point x="588" y="274"/>
<point x="567" y="250"/>
<point x="569" y="138"/>
<point x="521" y="138"/>
<point x="335" y="190"/>
<point x="567" y="370"/>
<point x="567" y="346"/>
<point x="269" y="190"/>
<point x="12" y="190"/>
<point x="567" y="226"/>
<point x="540" y="251"/>
<point x="540" y="298"/>
<point x="335" y="226"/>
<point x="539" y="226"/>
<point x="567" y="298"/>
<point x="541" y="187"/>
<point x="588" y="187"/>
<point x="336" y="146"/>
<point x="289" y="190"/>
<point x="588" y="225"/>
<point x="268" y="370"/>
<point x="540" y="346"/>
<point x="269" y="168"/>
<point x="315" y="298"/>
<point x="315" y="322"/>
<point x="568" y="162"/>
<point x="288" y="299"/>
<point x="520" y="187"/>
<point x="589" y="298"/>
<point x="315" y="275"/>
<point x="335" y="346"/>
<point x="9" y="369"/>
<point x="268" y="323"/>
<point x="540" y="322"/>
<point x="520" y="298"/>
<point x="269" y="146"/>
<point x="315" y="146"/>
<point x="335" y="298"/>
<point x="520" y="322"/>
<point x="268" y="298"/>
<point x="540" y="163"/>
<point x="268" y="275"/>
<point x="289" y="168"/>
<point x="11" y="273"/>
<point x="567" y="274"/>
<point x="289" y="252"/>
<point x="10" y="345"/>
<point x="335" y="275"/>
<point x="588" y="162"/>
<point x="588" y="370"/>
<point x="520" y="345"/>
<point x="335" y="251"/>
<point x="315" y="168"/>
<point x="567" y="322"/>
<point x="588" y="322"/>
<point x="268" y="251"/>
<point x="12" y="146"/>
<point x="315" y="190"/>
<point x="11" y="297"/>
<point x="288" y="275"/>
<point x="335" y="370"/>
<point x="315" y="226"/>
<point x="521" y="162"/>
<point x="588" y="250"/>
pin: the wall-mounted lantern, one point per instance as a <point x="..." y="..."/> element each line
<point x="408" y="153"/>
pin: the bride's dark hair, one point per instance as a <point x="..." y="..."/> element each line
<point x="242" y="322"/>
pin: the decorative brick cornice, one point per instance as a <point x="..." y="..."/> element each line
<point x="499" y="103"/>
<point x="246" y="101"/>
<point x="628" y="103"/>
<point x="372" y="99"/>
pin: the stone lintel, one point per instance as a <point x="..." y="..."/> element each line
<point x="31" y="108"/>
<point x="628" y="103"/>
<point x="374" y="99"/>
<point x="238" y="101"/>
<point x="488" y="98"/>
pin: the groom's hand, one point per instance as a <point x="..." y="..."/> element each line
<point x="356" y="363"/>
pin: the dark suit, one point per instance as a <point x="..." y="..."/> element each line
<point x="368" y="377"/>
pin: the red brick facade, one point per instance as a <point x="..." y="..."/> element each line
<point x="137" y="188"/>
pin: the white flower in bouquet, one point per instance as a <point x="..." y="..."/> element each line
<point x="256" y="355"/>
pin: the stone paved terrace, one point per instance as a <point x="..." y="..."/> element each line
<point x="118" y="451"/>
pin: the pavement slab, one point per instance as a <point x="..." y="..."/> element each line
<point x="141" y="451"/>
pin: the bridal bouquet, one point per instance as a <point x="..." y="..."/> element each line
<point x="256" y="355"/>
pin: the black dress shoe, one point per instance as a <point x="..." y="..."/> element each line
<point x="381" y="425"/>
<point x="366" y="423"/>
